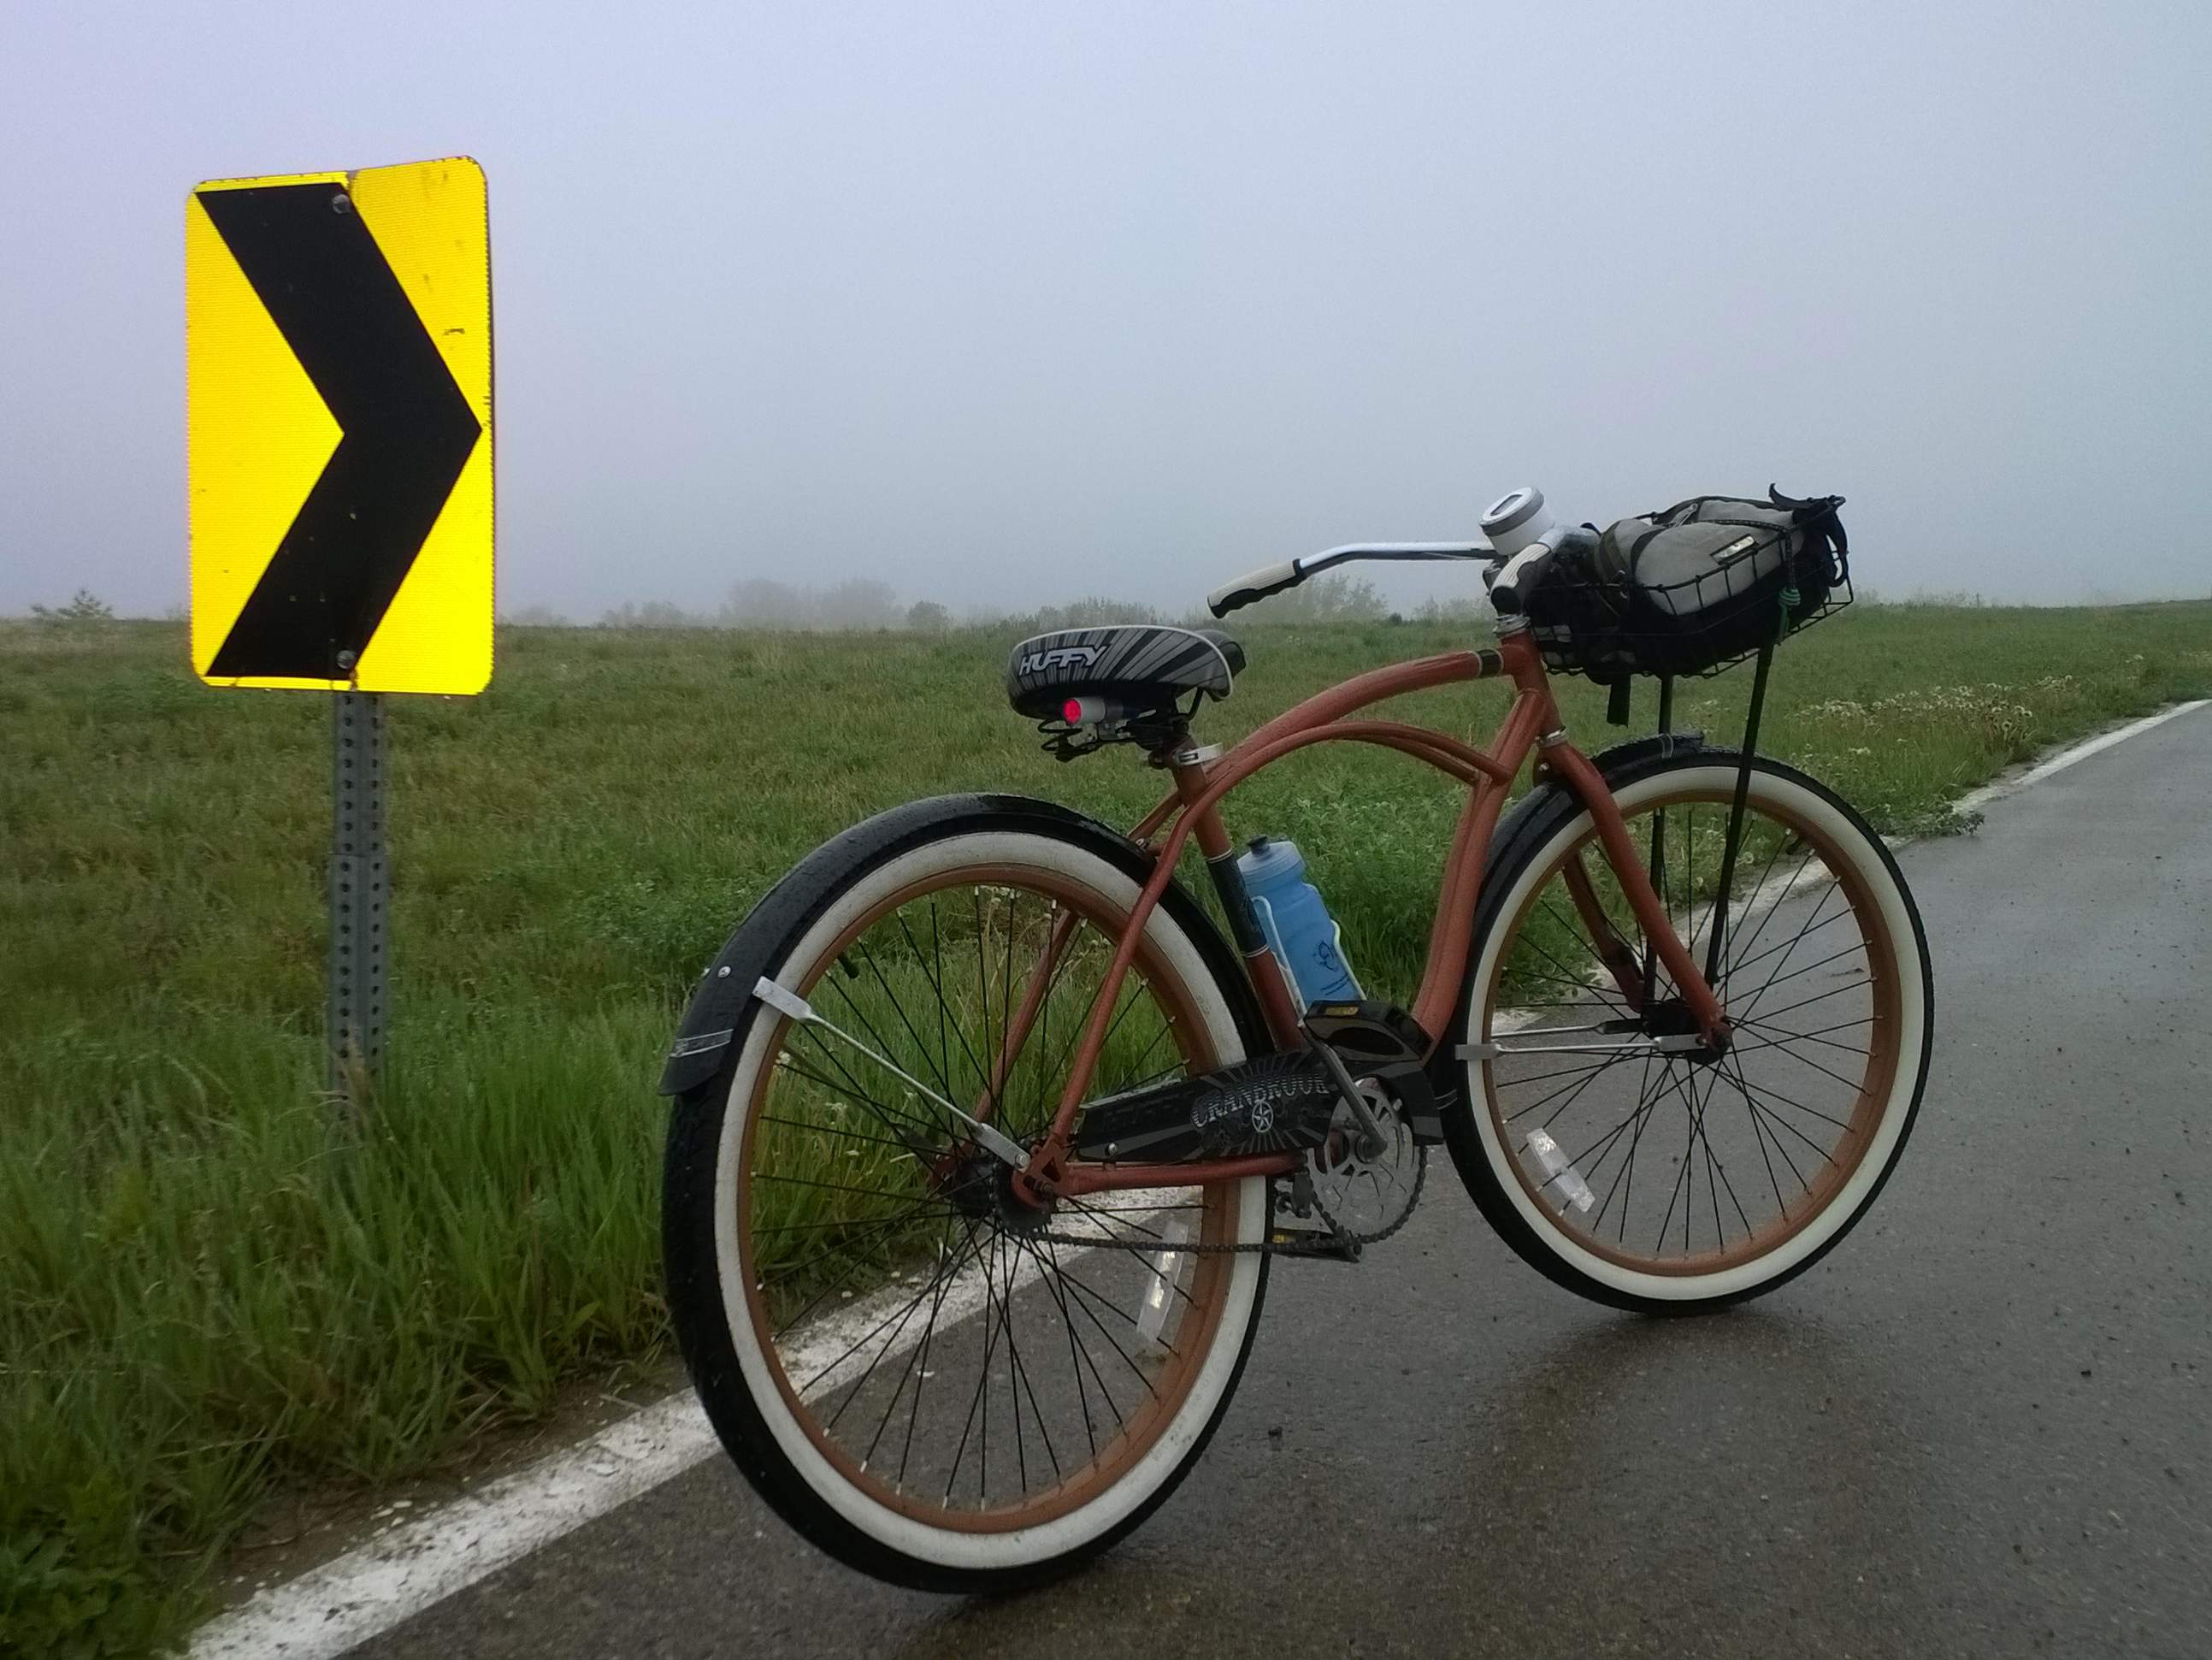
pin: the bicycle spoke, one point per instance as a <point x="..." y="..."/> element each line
<point x="1086" y="1295"/>
<point x="1059" y="1280"/>
<point x="1045" y="1274"/>
<point x="1645" y="1100"/>
<point x="1773" y="1119"/>
<point x="884" y="1112"/>
<point x="1681" y="1181"/>
<point x="920" y="1047"/>
<point x="1784" y="1045"/>
<point x="1007" y="1366"/>
<point x="1021" y="1373"/>
<point x="1715" y="1166"/>
<point x="1589" y="983"/>
<point x="1773" y="910"/>
<point x="1784" y="1035"/>
<point x="1837" y="991"/>
<point x="853" y="1392"/>
<point x="1791" y="946"/>
<point x="943" y="1008"/>
<point x="914" y="1353"/>
<point x="1596" y="1071"/>
<point x="929" y="1333"/>
<point x="841" y="1134"/>
<point x="1728" y="971"/>
<point x="1809" y="968"/>
<point x="1783" y="960"/>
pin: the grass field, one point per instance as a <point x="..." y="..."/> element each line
<point x="208" y="1289"/>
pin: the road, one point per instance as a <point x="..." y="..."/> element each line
<point x="1980" y="1427"/>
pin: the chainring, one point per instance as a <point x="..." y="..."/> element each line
<point x="1367" y="1200"/>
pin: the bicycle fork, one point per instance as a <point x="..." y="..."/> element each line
<point x="1707" y="1020"/>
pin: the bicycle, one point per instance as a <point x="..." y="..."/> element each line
<point x="985" y="1140"/>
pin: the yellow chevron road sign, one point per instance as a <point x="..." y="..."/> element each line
<point x="339" y="429"/>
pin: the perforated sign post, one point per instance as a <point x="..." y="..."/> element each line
<point x="338" y="439"/>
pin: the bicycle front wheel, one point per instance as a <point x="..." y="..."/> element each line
<point x="932" y="1382"/>
<point x="1673" y="1181"/>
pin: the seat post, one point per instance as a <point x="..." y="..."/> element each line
<point x="1213" y="838"/>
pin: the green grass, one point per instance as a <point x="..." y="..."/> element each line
<point x="208" y="1291"/>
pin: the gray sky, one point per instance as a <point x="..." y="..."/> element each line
<point x="1002" y="304"/>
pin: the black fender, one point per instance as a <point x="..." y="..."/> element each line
<point x="1541" y="803"/>
<point x="717" y="1008"/>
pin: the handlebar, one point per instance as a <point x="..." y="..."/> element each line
<point x="1275" y="578"/>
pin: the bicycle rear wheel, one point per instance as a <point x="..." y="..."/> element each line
<point x="932" y="1382"/>
<point x="1677" y="1181"/>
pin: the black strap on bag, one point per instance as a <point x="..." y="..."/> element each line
<point x="1824" y="537"/>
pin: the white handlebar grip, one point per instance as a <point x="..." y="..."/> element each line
<point x="1252" y="584"/>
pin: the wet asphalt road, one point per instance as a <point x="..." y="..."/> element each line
<point x="1979" y="1428"/>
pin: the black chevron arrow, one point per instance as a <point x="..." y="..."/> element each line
<point x="407" y="429"/>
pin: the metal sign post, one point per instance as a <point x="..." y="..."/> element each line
<point x="338" y="435"/>
<point x="358" y="890"/>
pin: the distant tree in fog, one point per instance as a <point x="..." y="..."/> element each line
<point x="927" y="617"/>
<point x="861" y="603"/>
<point x="1091" y="612"/>
<point x="654" y="614"/>
<point x="759" y="602"/>
<point x="85" y="609"/>
<point x="1470" y="608"/>
<point x="536" y="617"/>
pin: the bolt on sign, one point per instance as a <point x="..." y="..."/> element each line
<point x="339" y="429"/>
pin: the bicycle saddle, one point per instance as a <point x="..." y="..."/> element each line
<point x="1142" y="666"/>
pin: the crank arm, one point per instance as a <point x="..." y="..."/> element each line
<point x="1370" y="1132"/>
<point x="995" y="1142"/>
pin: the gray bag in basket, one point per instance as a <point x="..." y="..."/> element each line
<point x="1700" y="552"/>
<point x="1714" y="577"/>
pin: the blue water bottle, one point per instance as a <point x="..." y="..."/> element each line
<point x="1306" y="939"/>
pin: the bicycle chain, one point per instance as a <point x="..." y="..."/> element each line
<point x="1340" y="1237"/>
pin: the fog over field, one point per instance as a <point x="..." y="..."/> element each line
<point x="999" y="306"/>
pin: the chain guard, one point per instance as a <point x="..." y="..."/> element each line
<point x="1313" y="1186"/>
<point x="1285" y="1101"/>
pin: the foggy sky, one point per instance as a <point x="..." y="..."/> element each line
<point x="1005" y="304"/>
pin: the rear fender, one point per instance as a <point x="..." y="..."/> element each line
<point x="718" y="1007"/>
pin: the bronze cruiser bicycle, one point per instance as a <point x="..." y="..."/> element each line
<point x="986" y="1140"/>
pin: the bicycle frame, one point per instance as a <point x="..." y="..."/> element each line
<point x="1192" y="811"/>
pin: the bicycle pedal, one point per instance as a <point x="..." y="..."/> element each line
<point x="1317" y="1242"/>
<point x="1300" y="1227"/>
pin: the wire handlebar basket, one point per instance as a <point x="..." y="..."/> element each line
<point x="1610" y="629"/>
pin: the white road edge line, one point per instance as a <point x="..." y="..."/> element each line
<point x="371" y="1588"/>
<point x="374" y="1586"/>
